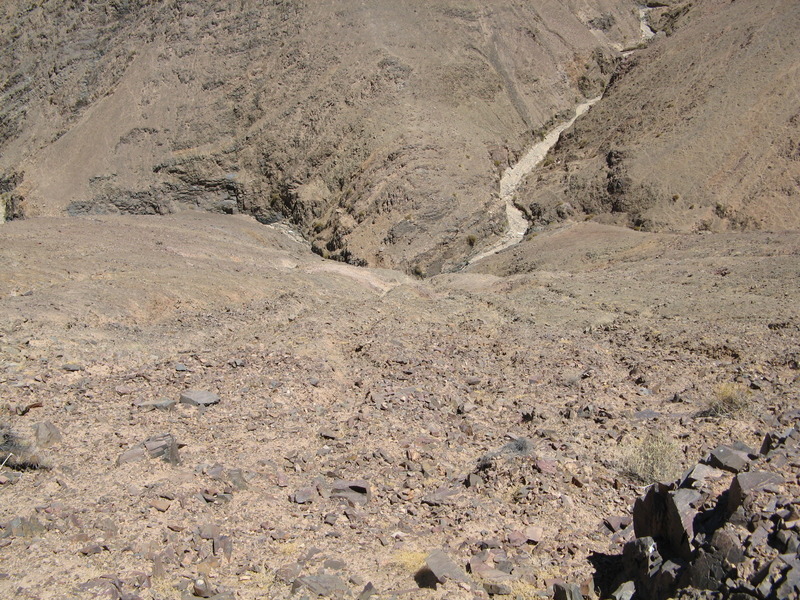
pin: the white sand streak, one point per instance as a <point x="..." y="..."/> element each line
<point x="513" y="176"/>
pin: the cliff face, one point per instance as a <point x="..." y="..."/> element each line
<point x="698" y="131"/>
<point x="378" y="128"/>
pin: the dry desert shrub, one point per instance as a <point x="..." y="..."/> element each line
<point x="652" y="459"/>
<point x="522" y="590"/>
<point x="409" y="560"/>
<point x="162" y="589"/>
<point x="729" y="399"/>
<point x="14" y="454"/>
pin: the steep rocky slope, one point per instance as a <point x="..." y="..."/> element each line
<point x="700" y="130"/>
<point x="365" y="418"/>
<point x="197" y="405"/>
<point x="378" y="128"/>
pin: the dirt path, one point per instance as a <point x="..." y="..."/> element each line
<point x="513" y="176"/>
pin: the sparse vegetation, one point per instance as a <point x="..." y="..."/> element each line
<point x="290" y="548"/>
<point x="410" y="561"/>
<point x="525" y="591"/>
<point x="496" y="406"/>
<point x="265" y="581"/>
<point x="162" y="589"/>
<point x="729" y="399"/>
<point x="14" y="454"/>
<point x="652" y="459"/>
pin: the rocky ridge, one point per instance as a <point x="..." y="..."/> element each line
<point x="382" y="142"/>
<point x="690" y="136"/>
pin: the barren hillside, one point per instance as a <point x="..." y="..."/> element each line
<point x="699" y="131"/>
<point x="196" y="402"/>
<point x="379" y="128"/>
<point x="360" y="419"/>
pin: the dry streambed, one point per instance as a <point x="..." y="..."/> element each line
<point x="513" y="176"/>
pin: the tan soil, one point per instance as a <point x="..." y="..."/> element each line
<point x="581" y="315"/>
<point x="581" y="340"/>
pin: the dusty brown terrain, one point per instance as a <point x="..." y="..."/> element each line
<point x="497" y="421"/>
<point x="379" y="128"/>
<point x="691" y="134"/>
<point x="578" y="343"/>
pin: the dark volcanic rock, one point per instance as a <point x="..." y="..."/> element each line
<point x="163" y="445"/>
<point x="46" y="434"/>
<point x="728" y="458"/>
<point x="698" y="475"/>
<point x="443" y="568"/>
<point x="566" y="591"/>
<point x="160" y="404"/>
<point x="681" y="511"/>
<point x="688" y="540"/>
<point x="745" y="483"/>
<point x="304" y="495"/>
<point x="353" y="491"/>
<point x="440" y="497"/>
<point x="330" y="586"/>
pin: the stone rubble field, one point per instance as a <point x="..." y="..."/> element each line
<point x="247" y="420"/>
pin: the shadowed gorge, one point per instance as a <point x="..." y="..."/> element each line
<point x="378" y="129"/>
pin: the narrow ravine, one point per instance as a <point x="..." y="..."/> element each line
<point x="647" y="32"/>
<point x="513" y="176"/>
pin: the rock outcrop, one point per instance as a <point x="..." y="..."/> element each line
<point x="697" y="538"/>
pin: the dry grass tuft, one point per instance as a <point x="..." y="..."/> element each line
<point x="162" y="589"/>
<point x="729" y="399"/>
<point x="652" y="459"/>
<point x="409" y="560"/>
<point x="523" y="590"/>
<point x="14" y="454"/>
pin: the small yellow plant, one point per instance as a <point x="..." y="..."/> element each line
<point x="652" y="459"/>
<point x="729" y="399"/>
<point x="525" y="591"/>
<point x="288" y="548"/>
<point x="409" y="560"/>
<point x="265" y="581"/>
<point x="162" y="589"/>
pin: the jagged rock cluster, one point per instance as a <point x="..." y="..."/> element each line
<point x="727" y="529"/>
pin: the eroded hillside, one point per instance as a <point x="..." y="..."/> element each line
<point x="378" y="128"/>
<point x="699" y="131"/>
<point x="197" y="405"/>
